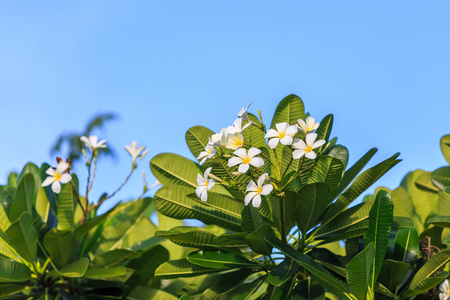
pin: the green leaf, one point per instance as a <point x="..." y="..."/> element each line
<point x="282" y="272"/>
<point x="244" y="291"/>
<point x="65" y="208"/>
<point x="172" y="169"/>
<point x="441" y="177"/>
<point x="11" y="271"/>
<point x="359" y="271"/>
<point x="253" y="134"/>
<point x="393" y="273"/>
<point x="441" y="221"/>
<point x="74" y="270"/>
<point x="319" y="273"/>
<point x="23" y="198"/>
<point x="309" y="290"/>
<point x="84" y="228"/>
<point x="445" y="147"/>
<point x="361" y="183"/>
<point x="100" y="273"/>
<point x="251" y="218"/>
<point x="328" y="170"/>
<point x="219" y="259"/>
<point x="8" y="289"/>
<point x="221" y="210"/>
<point x="256" y="240"/>
<point x="43" y="205"/>
<point x="4" y="220"/>
<point x="406" y="246"/>
<point x="312" y="200"/>
<point x="62" y="247"/>
<point x="430" y="268"/>
<point x="289" y="110"/>
<point x="141" y="292"/>
<point x="340" y="152"/>
<point x="23" y="237"/>
<point x="148" y="262"/>
<point x="380" y="221"/>
<point x="34" y="170"/>
<point x="425" y="285"/>
<point x="113" y="258"/>
<point x="197" y="138"/>
<point x="220" y="290"/>
<point x="403" y="205"/>
<point x="182" y="268"/>
<point x="324" y="130"/>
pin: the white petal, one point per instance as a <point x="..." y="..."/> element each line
<point x="310" y="122"/>
<point x="62" y="167"/>
<point x="287" y="140"/>
<point x="101" y="144"/>
<point x="291" y="130"/>
<point x="316" y="126"/>
<point x="311" y="155"/>
<point x="49" y="180"/>
<point x="204" y="196"/>
<point x="65" y="178"/>
<point x="207" y="171"/>
<point x="253" y="151"/>
<point x="211" y="183"/>
<point x="281" y="127"/>
<point x="50" y="171"/>
<point x="85" y="140"/>
<point x="267" y="189"/>
<point x="203" y="161"/>
<point x="234" y="161"/>
<point x="249" y="197"/>
<point x="241" y="153"/>
<point x="302" y="124"/>
<point x="271" y="133"/>
<point x="243" y="168"/>
<point x="246" y="125"/>
<point x="257" y="162"/>
<point x="200" y="180"/>
<point x="261" y="179"/>
<point x="251" y="187"/>
<point x="296" y="154"/>
<point x="231" y="129"/>
<point x="273" y="143"/>
<point x="256" y="201"/>
<point x="93" y="139"/>
<point x="202" y="154"/>
<point x="299" y="144"/>
<point x="199" y="190"/>
<point x="56" y="187"/>
<point x="318" y="143"/>
<point x="310" y="138"/>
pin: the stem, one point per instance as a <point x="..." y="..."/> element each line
<point x="287" y="168"/>
<point x="283" y="231"/>
<point x="78" y="197"/>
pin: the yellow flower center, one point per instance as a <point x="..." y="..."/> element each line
<point x="57" y="177"/>
<point x="246" y="160"/>
<point x="260" y="189"/>
<point x="309" y="149"/>
<point x="206" y="183"/>
<point x="282" y="134"/>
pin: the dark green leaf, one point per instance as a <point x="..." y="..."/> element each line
<point x="312" y="200"/>
<point x="406" y="245"/>
<point x="256" y="240"/>
<point x="282" y="272"/>
<point x="393" y="273"/>
<point x="445" y="147"/>
<point x="100" y="273"/>
<point x="182" y="268"/>
<point x="340" y="152"/>
<point x="359" y="271"/>
<point x="308" y="290"/>
<point x="23" y="198"/>
<point x="289" y="110"/>
<point x="430" y="268"/>
<point x="11" y="271"/>
<point x="197" y="138"/>
<point x="219" y="259"/>
<point x="23" y="237"/>
<point x="172" y="169"/>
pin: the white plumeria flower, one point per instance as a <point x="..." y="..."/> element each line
<point x="244" y="114"/>
<point x="57" y="176"/>
<point x="444" y="293"/>
<point x="219" y="139"/>
<point x="237" y="126"/>
<point x="309" y="126"/>
<point x="256" y="190"/>
<point x="235" y="141"/>
<point x="209" y="152"/>
<point x="244" y="159"/>
<point x="204" y="185"/>
<point x="92" y="142"/>
<point x="134" y="151"/>
<point x="306" y="149"/>
<point x="157" y="183"/>
<point x="283" y="134"/>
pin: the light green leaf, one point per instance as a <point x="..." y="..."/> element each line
<point x="100" y="273"/>
<point x="253" y="134"/>
<point x="427" y="271"/>
<point x="424" y="285"/>
<point x="221" y="210"/>
<point x="312" y="200"/>
<point x="289" y="110"/>
<point x="23" y="237"/>
<point x="84" y="228"/>
<point x="74" y="270"/>
<point x="182" y="268"/>
<point x="8" y="289"/>
<point x="441" y="221"/>
<point x="197" y="138"/>
<point x="219" y="259"/>
<point x="113" y="258"/>
<point x="11" y="271"/>
<point x="441" y="177"/>
<point x="359" y="271"/>
<point x="172" y="169"/>
<point x="65" y="208"/>
<point x="23" y="198"/>
<point x="61" y="246"/>
<point x="43" y="204"/>
<point x="4" y="220"/>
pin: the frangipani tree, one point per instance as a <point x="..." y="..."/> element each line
<point x="285" y="187"/>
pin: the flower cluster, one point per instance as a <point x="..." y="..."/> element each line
<point x="230" y="143"/>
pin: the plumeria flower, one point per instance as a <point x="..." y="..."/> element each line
<point x="235" y="141"/>
<point x="256" y="190"/>
<point x="219" y="139"/>
<point x="444" y="293"/>
<point x="244" y="159"/>
<point x="244" y="114"/>
<point x="283" y="134"/>
<point x="157" y="183"/>
<point x="309" y="126"/>
<point x="208" y="153"/>
<point x="92" y="142"/>
<point x="134" y="151"/>
<point x="237" y="126"/>
<point x="306" y="149"/>
<point x="57" y="176"/>
<point x="204" y="185"/>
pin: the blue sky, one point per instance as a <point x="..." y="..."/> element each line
<point x="381" y="67"/>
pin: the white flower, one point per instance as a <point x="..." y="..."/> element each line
<point x="309" y="126"/>
<point x="256" y="190"/>
<point x="157" y="183"/>
<point x="57" y="176"/>
<point x="306" y="149"/>
<point x="134" y="151"/>
<point x="245" y="159"/>
<point x="219" y="139"/>
<point x="208" y="153"/>
<point x="444" y="290"/>
<point x="92" y="142"/>
<point x="243" y="113"/>
<point x="237" y="126"/>
<point x="283" y="134"/>
<point x="235" y="141"/>
<point x="203" y="185"/>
